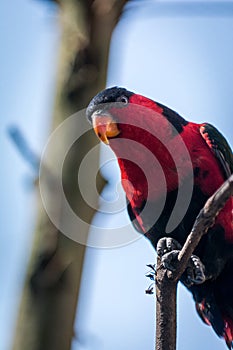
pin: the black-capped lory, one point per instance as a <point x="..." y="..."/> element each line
<point x="169" y="168"/>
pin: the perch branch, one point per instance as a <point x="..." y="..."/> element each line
<point x="166" y="281"/>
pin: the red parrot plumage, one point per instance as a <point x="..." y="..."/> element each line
<point x="170" y="165"/>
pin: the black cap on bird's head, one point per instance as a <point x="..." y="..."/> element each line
<point x="110" y="95"/>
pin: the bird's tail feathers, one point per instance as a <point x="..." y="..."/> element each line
<point x="222" y="325"/>
<point x="228" y="332"/>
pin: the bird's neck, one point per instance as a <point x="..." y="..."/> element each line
<point x="146" y="180"/>
<point x="133" y="181"/>
<point x="150" y="167"/>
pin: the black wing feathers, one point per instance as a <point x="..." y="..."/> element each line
<point x="219" y="146"/>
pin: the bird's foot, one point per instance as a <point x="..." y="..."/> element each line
<point x="167" y="245"/>
<point x="195" y="272"/>
<point x="168" y="249"/>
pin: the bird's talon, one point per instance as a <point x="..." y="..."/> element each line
<point x="166" y="245"/>
<point x="168" y="249"/>
<point x="169" y="260"/>
<point x="196" y="270"/>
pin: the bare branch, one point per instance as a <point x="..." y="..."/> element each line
<point x="166" y="289"/>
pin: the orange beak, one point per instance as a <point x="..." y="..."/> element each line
<point x="105" y="127"/>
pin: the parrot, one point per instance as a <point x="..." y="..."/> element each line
<point x="169" y="167"/>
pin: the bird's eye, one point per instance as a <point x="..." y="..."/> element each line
<point x="122" y="99"/>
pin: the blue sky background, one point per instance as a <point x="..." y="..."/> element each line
<point x="175" y="55"/>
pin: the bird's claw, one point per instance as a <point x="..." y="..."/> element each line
<point x="169" y="260"/>
<point x="166" y="245"/>
<point x="168" y="249"/>
<point x="195" y="272"/>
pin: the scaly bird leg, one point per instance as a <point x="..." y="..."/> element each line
<point x="168" y="249"/>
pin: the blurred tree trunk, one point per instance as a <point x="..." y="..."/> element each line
<point x="49" y="301"/>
